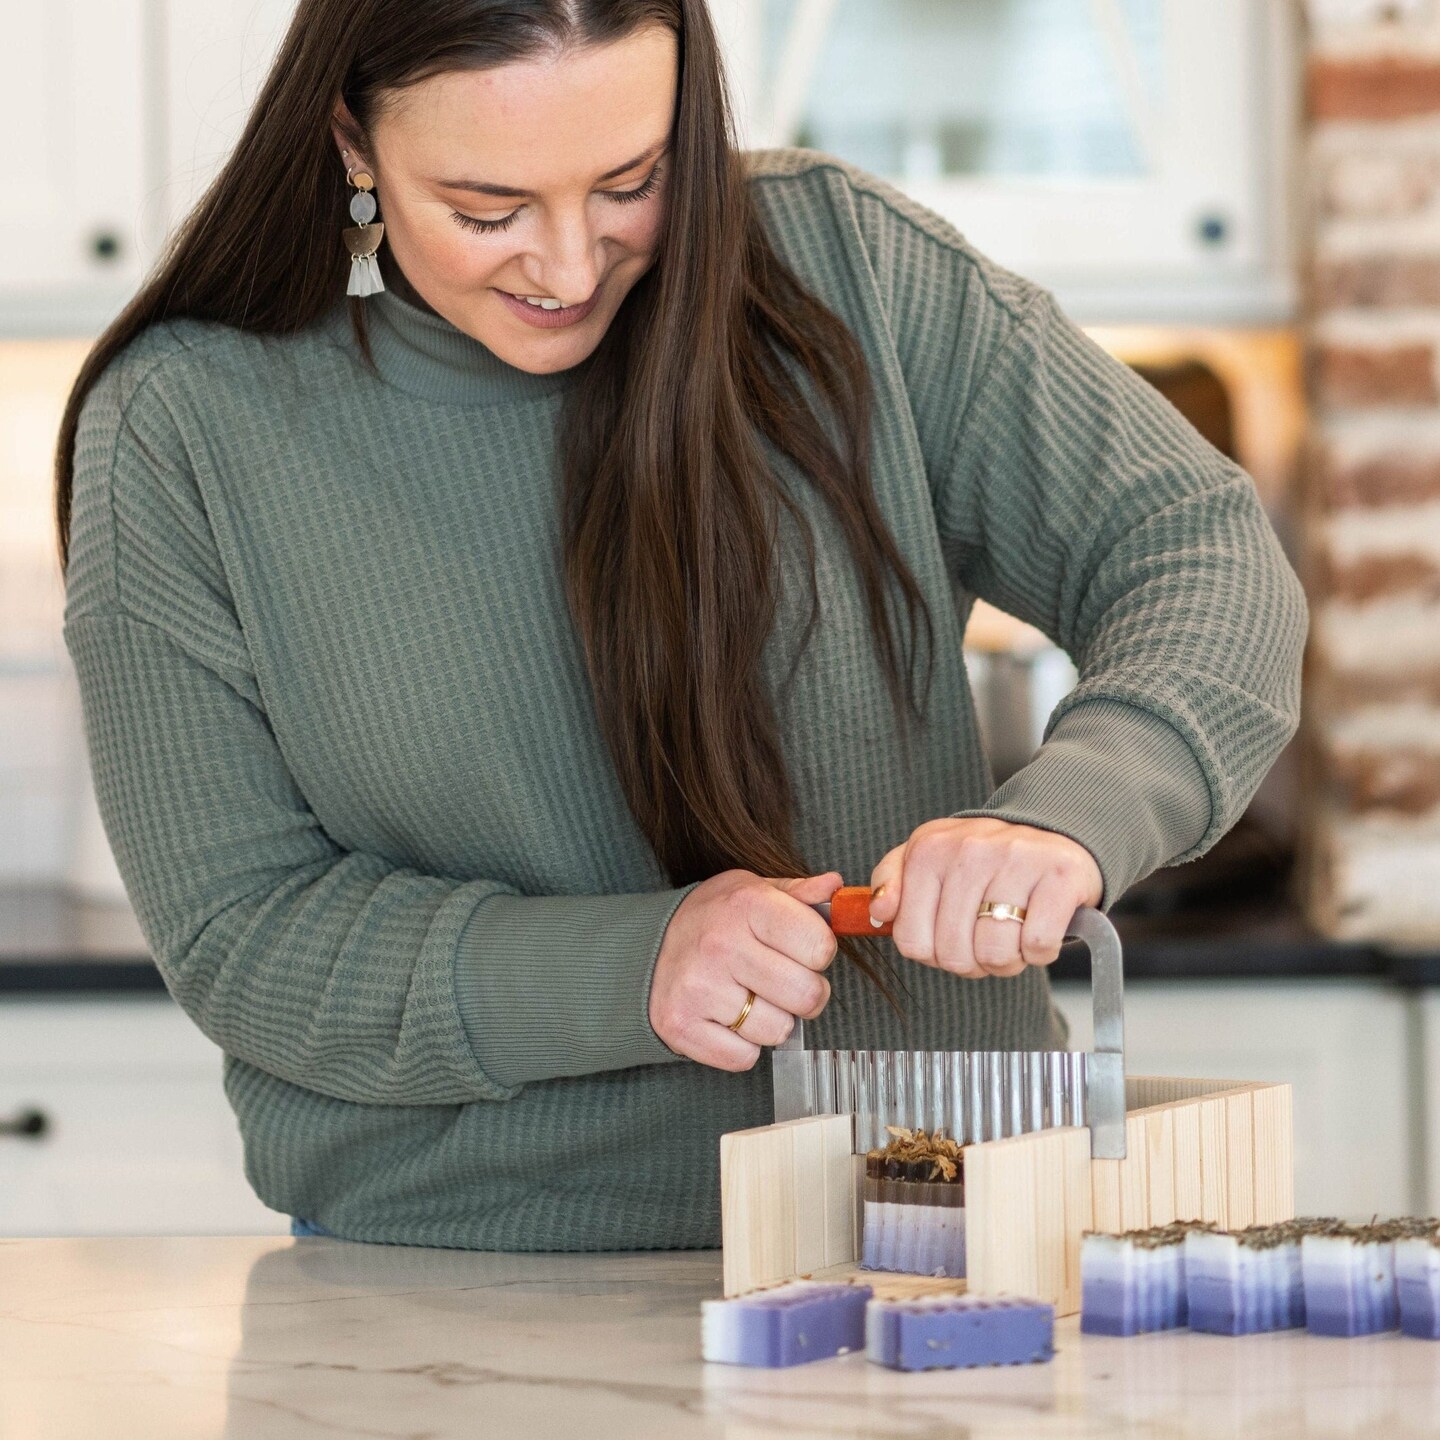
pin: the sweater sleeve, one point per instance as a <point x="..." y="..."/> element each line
<point x="1074" y="496"/>
<point x="328" y="967"/>
<point x="1068" y="492"/>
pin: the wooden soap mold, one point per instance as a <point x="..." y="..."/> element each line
<point x="1218" y="1150"/>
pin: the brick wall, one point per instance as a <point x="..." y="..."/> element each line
<point x="1370" y="861"/>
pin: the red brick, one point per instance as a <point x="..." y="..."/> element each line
<point x="1406" y="782"/>
<point x="1379" y="87"/>
<point x="1371" y="577"/>
<point x="1372" y="375"/>
<point x="1342" y="692"/>
<point x="1392" y="479"/>
<point x="1377" y="280"/>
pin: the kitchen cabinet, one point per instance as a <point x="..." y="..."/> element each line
<point x="135" y="1135"/>
<point x="1347" y="1047"/>
<point x="116" y="118"/>
<point x="1133" y="155"/>
<point x="73" y="113"/>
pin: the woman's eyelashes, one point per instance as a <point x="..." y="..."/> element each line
<point x="621" y="197"/>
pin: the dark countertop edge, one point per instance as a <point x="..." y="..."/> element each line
<point x="1146" y="960"/>
<point x="90" y="975"/>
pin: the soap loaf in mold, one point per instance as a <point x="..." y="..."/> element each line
<point x="914" y="1205"/>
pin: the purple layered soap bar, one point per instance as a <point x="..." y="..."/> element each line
<point x="945" y="1332"/>
<point x="793" y="1323"/>
<point x="1134" y="1283"/>
<point x="1244" y="1282"/>
<point x="1417" y="1282"/>
<point x="1349" y="1275"/>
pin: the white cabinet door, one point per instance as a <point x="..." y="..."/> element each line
<point x="116" y="115"/>
<point x="72" y="117"/>
<point x="138" y="1138"/>
<point x="216" y="56"/>
<point x="1131" y="156"/>
<point x="1343" y="1045"/>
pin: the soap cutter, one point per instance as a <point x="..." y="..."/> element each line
<point x="970" y="1095"/>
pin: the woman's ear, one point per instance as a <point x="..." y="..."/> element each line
<point x="343" y="129"/>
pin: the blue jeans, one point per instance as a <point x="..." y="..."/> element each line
<point x="307" y="1227"/>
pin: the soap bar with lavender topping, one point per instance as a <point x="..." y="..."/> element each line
<point x="914" y="1205"/>
<point x="1349" y="1275"/>
<point x="1134" y="1283"/>
<point x="1417" y="1281"/>
<point x="790" y="1324"/>
<point x="947" y="1332"/>
<point x="1245" y="1282"/>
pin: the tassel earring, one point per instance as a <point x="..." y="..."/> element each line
<point x="362" y="239"/>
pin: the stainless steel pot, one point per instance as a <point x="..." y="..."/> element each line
<point x="1015" y="691"/>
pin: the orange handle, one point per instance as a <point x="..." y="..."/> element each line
<point x="850" y="912"/>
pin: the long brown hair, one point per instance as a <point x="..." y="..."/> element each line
<point x="669" y="506"/>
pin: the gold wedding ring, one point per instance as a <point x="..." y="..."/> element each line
<point x="739" y="1020"/>
<point x="999" y="910"/>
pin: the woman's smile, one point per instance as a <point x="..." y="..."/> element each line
<point x="548" y="319"/>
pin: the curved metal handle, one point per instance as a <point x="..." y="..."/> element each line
<point x="1107" y="982"/>
<point x="1105" y="1067"/>
<point x="1107" y="977"/>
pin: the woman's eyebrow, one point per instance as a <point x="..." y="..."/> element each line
<point x="482" y="187"/>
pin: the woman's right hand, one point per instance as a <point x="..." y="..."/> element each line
<point x="733" y="933"/>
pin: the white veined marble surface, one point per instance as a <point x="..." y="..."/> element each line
<point x="274" y="1338"/>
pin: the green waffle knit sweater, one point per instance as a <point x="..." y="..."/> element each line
<point x="345" y="753"/>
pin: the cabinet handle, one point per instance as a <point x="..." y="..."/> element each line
<point x="105" y="246"/>
<point x="26" y="1125"/>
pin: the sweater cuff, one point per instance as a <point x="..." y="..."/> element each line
<point x="1118" y="780"/>
<point x="552" y="985"/>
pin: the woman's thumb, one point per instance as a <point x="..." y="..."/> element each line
<point x="811" y="888"/>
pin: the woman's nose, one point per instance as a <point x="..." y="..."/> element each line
<point x="569" y="264"/>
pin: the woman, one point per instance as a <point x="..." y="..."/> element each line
<point x="468" y="749"/>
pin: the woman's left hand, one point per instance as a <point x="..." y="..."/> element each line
<point x="933" y="885"/>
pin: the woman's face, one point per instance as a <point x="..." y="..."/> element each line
<point x="541" y="178"/>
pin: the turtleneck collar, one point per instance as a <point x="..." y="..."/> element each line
<point x="428" y="356"/>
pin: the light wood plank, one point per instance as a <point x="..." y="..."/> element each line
<point x="1000" y="1221"/>
<point x="1135" y="1175"/>
<point x="1274" y="1154"/>
<point x="1159" y="1127"/>
<point x="891" y="1285"/>
<point x="1105" y="1195"/>
<point x="1185" y="1133"/>
<point x="1049" y="1158"/>
<point x="772" y="1199"/>
<point x="843" y="1192"/>
<point x="809" y="1187"/>
<point x="1079" y="1212"/>
<point x="1240" y="1159"/>
<point x="1144" y="1091"/>
<point x="1214" y="1186"/>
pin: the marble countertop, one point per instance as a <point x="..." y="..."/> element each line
<point x="279" y="1338"/>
